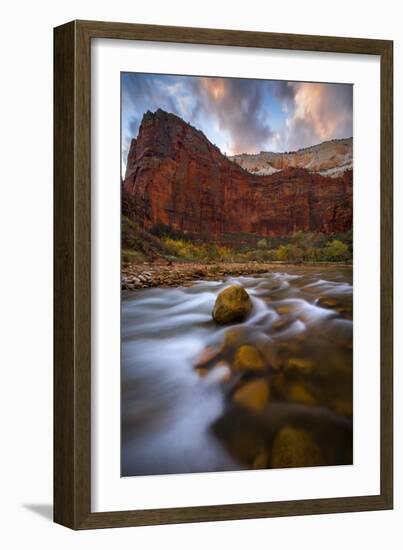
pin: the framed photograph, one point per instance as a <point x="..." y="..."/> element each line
<point x="222" y="274"/>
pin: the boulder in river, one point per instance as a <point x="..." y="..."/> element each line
<point x="232" y="304"/>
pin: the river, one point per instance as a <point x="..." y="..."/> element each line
<point x="175" y="420"/>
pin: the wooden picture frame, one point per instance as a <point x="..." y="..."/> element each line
<point x="72" y="269"/>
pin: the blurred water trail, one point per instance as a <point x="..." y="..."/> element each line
<point x="167" y="409"/>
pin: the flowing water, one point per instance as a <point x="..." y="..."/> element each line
<point x="176" y="421"/>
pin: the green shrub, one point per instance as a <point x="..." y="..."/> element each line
<point x="336" y="250"/>
<point x="136" y="239"/>
<point x="197" y="251"/>
<point x="289" y="252"/>
<point x="132" y="256"/>
<point x="139" y="245"/>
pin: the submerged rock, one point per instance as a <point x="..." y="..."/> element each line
<point x="300" y="365"/>
<point x="201" y="371"/>
<point x="207" y="357"/>
<point x="318" y="436"/>
<point x="294" y="448"/>
<point x="253" y="395"/>
<point x="233" y="338"/>
<point x="237" y="430"/>
<point x="248" y="358"/>
<point x="282" y="323"/>
<point x="298" y="393"/>
<point x="286" y="309"/>
<point x="344" y="407"/>
<point x="232" y="304"/>
<point x="220" y="370"/>
<point x="341" y="304"/>
<point x="327" y="302"/>
<point x="237" y="336"/>
<point x="262" y="460"/>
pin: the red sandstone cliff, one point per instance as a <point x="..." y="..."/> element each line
<point x="175" y="176"/>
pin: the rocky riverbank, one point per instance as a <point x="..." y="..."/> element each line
<point x="137" y="276"/>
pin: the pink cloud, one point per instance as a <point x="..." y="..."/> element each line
<point x="321" y="112"/>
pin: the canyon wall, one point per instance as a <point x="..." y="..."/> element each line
<point x="176" y="177"/>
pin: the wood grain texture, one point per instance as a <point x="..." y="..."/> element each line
<point x="72" y="322"/>
<point x="64" y="377"/>
<point x="221" y="37"/>
<point x="387" y="273"/>
<point x="72" y="269"/>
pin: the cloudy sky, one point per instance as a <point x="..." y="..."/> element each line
<point x="239" y="115"/>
